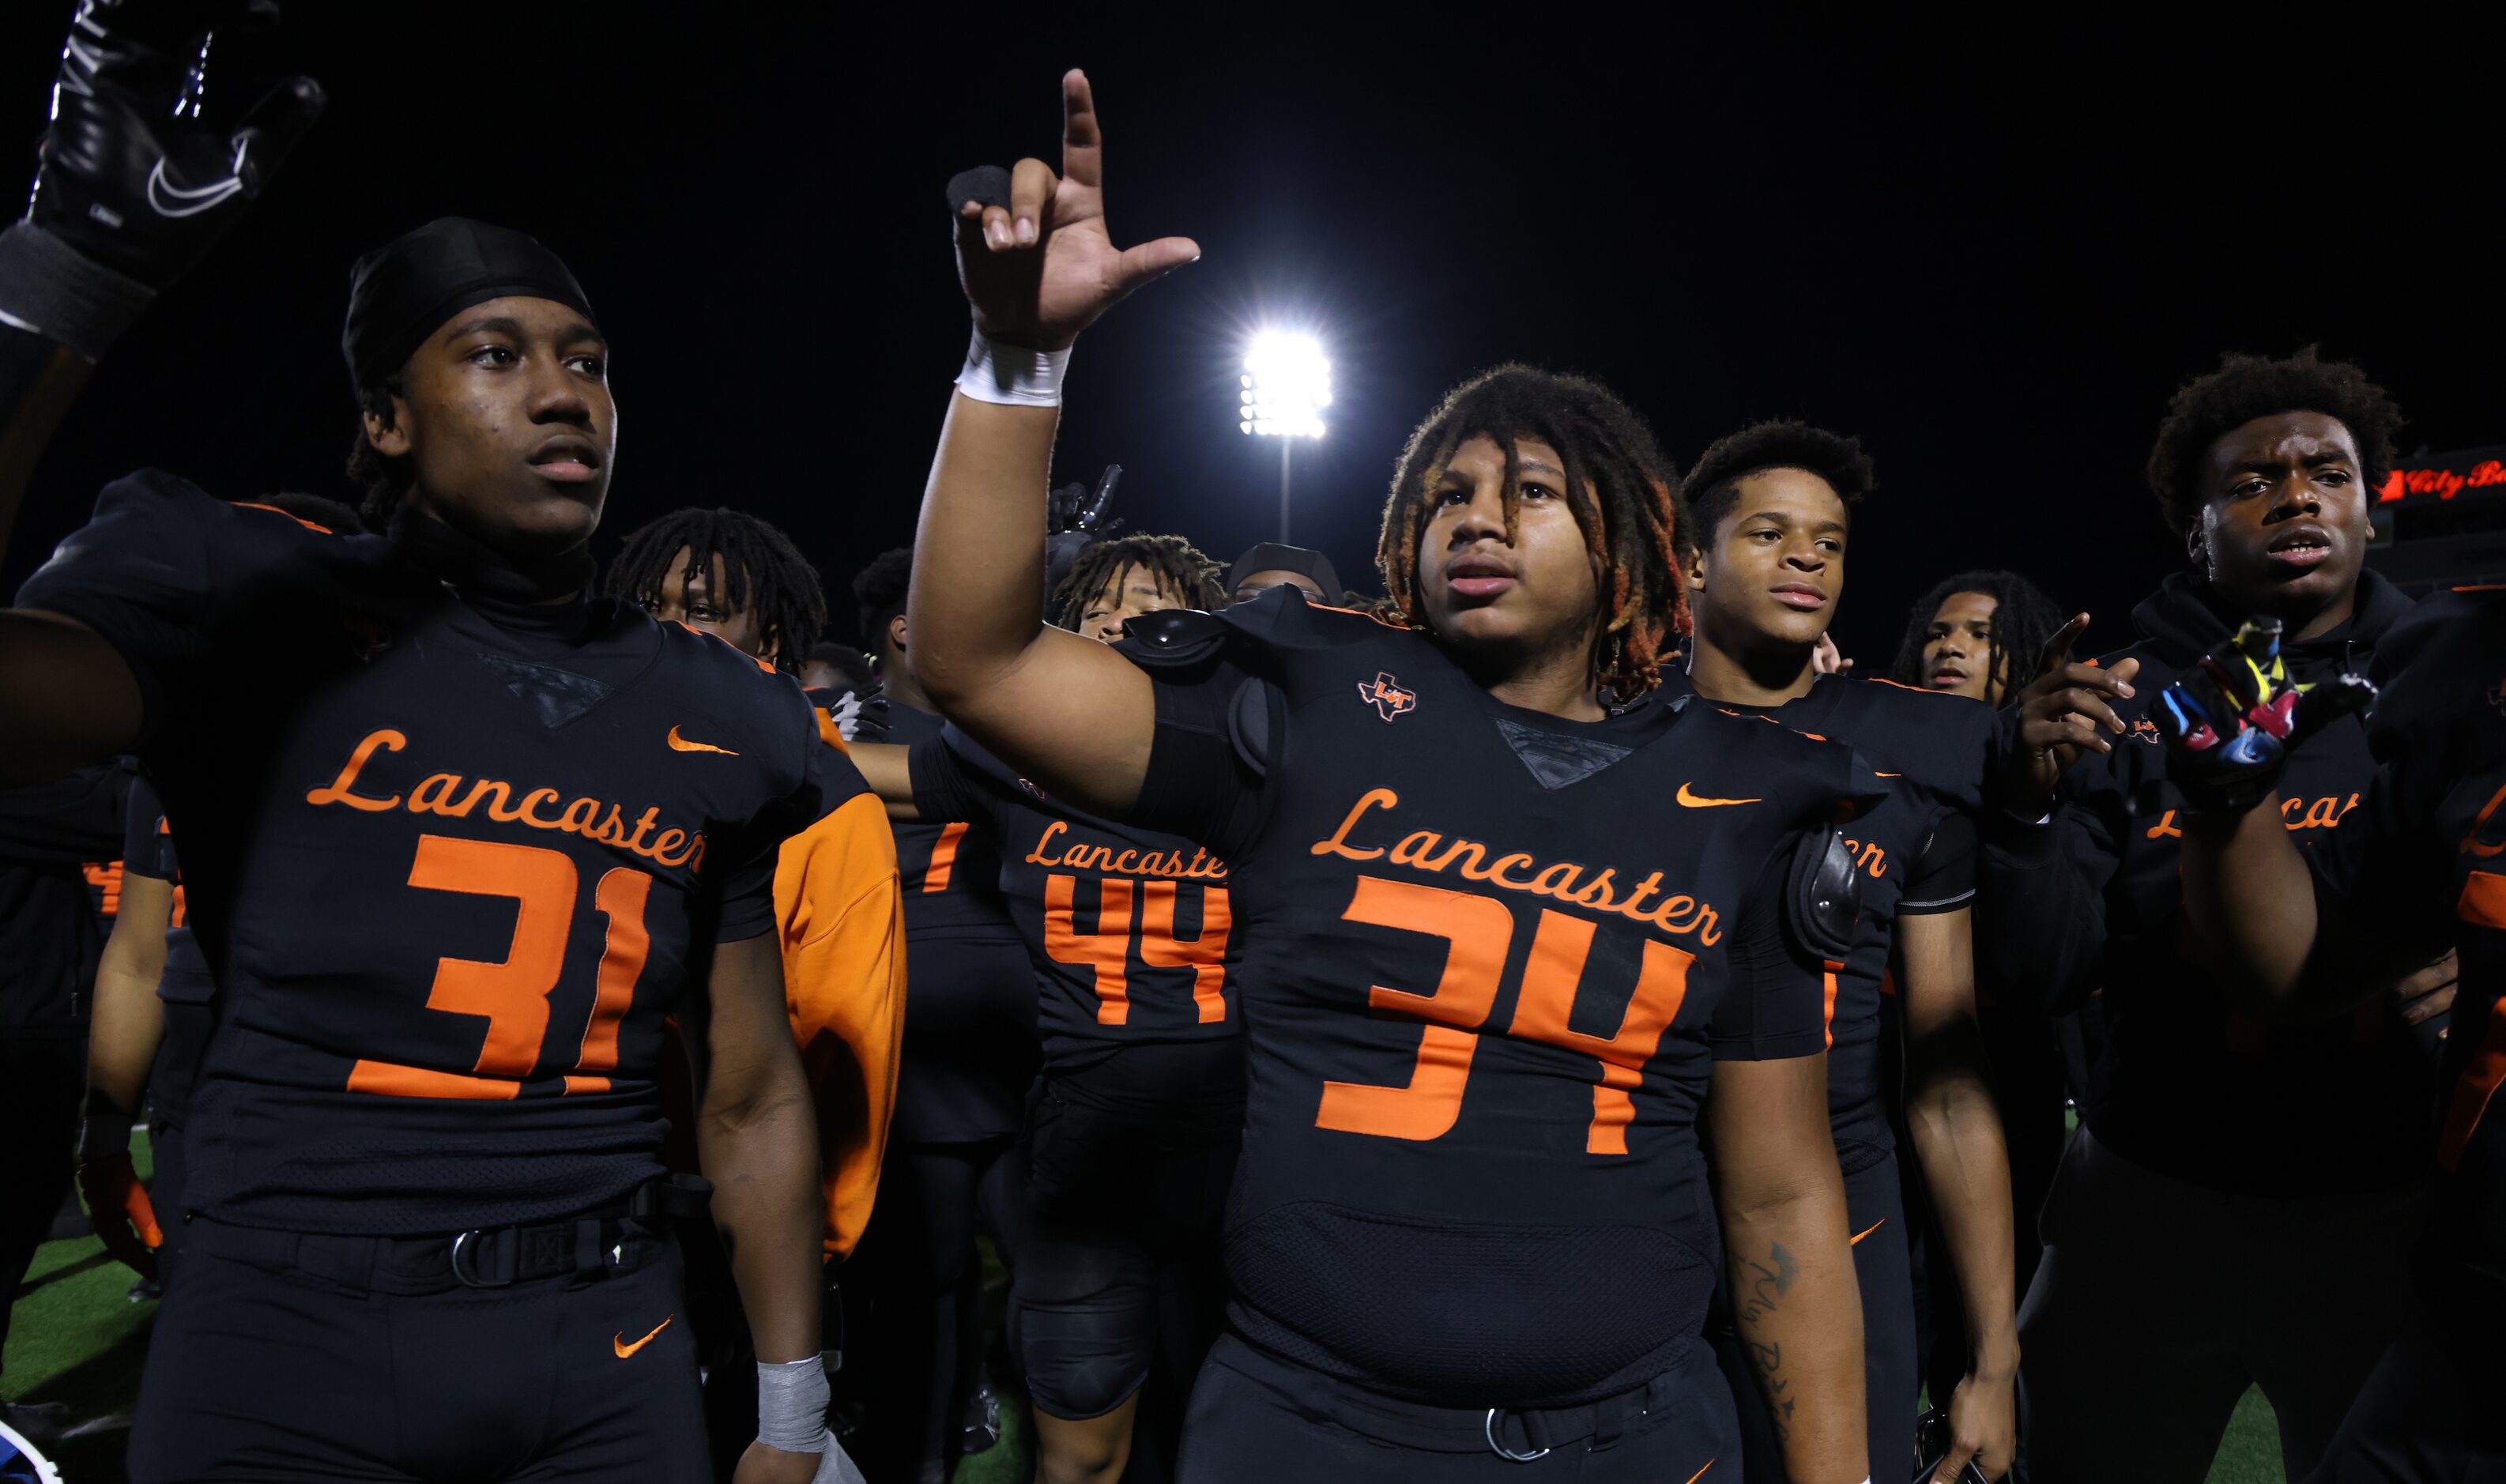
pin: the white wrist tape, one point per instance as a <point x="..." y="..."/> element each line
<point x="1012" y="376"/>
<point x="792" y="1404"/>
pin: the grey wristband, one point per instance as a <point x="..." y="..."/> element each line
<point x="792" y="1404"/>
<point x="51" y="287"/>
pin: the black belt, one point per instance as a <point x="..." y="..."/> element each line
<point x="586" y="1244"/>
<point x="1516" y="1434"/>
<point x="595" y="1243"/>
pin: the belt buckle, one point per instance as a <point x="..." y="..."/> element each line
<point x="465" y="1255"/>
<point x="1500" y="1449"/>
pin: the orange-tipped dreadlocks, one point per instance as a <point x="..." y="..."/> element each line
<point x="1624" y="493"/>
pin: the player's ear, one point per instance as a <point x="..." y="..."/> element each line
<point x="389" y="434"/>
<point x="2196" y="545"/>
<point x="1694" y="560"/>
<point x="896" y="632"/>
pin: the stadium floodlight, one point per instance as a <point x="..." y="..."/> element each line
<point x="1286" y="384"/>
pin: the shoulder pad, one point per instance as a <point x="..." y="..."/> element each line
<point x="1825" y="894"/>
<point x="1175" y="637"/>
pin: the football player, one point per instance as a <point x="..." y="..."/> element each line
<point x="151" y="1017"/>
<point x="970" y="1056"/>
<point x="1508" y="927"/>
<point x="2411" y="873"/>
<point x="1130" y="1138"/>
<point x="1972" y="633"/>
<point x="2300" y="1148"/>
<point x="1773" y="512"/>
<point x="455" y="839"/>
<point x="734" y="575"/>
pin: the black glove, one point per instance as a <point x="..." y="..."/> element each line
<point x="2233" y="719"/>
<point x="131" y="175"/>
<point x="1075" y="520"/>
<point x="133" y="179"/>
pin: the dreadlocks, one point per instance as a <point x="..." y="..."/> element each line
<point x="761" y="571"/>
<point x="1175" y="563"/>
<point x="1624" y="493"/>
<point x="2023" y="620"/>
<point x="2246" y="387"/>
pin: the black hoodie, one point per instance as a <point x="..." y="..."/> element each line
<point x="2093" y="901"/>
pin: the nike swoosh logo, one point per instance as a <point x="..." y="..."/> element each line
<point x="1697" y="802"/>
<point x="618" y="1341"/>
<point x="1859" y="1235"/>
<point x="169" y="199"/>
<point x="680" y="744"/>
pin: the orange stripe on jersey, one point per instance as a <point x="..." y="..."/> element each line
<point x="255" y="505"/>
<point x="944" y="858"/>
<point x="176" y="920"/>
<point x="2471" y="840"/>
<point x="2484" y="899"/>
<point x="1829" y="985"/>
<point x="1887" y="981"/>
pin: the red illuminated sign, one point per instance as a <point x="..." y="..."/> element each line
<point x="2444" y="477"/>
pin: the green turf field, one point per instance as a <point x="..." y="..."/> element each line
<point x="75" y="1338"/>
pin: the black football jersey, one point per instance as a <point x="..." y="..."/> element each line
<point x="1915" y="853"/>
<point x="2185" y="1083"/>
<point x="950" y="868"/>
<point x="2423" y="860"/>
<point x="148" y="850"/>
<point x="1490" y="960"/>
<point x="450" y="862"/>
<point x="1133" y="934"/>
<point x="969" y="1005"/>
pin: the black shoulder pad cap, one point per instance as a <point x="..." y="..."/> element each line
<point x="1251" y="725"/>
<point x="1825" y="895"/>
<point x="1174" y="637"/>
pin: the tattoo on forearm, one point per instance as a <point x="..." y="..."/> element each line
<point x="1762" y="1286"/>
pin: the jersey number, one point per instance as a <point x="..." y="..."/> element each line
<point x="512" y="996"/>
<point x="1150" y="931"/>
<point x="1479" y="932"/>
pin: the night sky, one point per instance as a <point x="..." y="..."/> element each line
<point x="1991" y="254"/>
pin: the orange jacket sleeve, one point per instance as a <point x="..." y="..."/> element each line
<point x="843" y="923"/>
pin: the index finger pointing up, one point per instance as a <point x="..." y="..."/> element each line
<point x="2058" y="649"/>
<point x="1083" y="148"/>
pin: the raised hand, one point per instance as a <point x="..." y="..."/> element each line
<point x="2062" y="713"/>
<point x="2234" y="719"/>
<point x="1040" y="268"/>
<point x="131" y="176"/>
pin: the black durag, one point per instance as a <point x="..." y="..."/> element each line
<point x="403" y="292"/>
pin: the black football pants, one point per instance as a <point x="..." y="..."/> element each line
<point x="1118" y="1269"/>
<point x="1257" y="1418"/>
<point x="283" y="1357"/>
<point x="2433" y="1411"/>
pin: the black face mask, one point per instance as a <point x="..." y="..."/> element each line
<point x="475" y="570"/>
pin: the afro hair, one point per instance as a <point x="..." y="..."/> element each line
<point x="2246" y="387"/>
